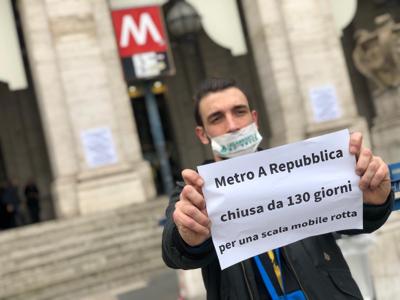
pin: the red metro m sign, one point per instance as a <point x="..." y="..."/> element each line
<point x="139" y="30"/>
<point x="142" y="42"/>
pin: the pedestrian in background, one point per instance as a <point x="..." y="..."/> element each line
<point x="11" y="203"/>
<point x="31" y="192"/>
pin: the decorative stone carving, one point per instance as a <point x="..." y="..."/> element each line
<point x="377" y="54"/>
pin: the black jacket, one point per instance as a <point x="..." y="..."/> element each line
<point x="316" y="262"/>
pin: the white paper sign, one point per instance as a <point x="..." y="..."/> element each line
<point x="271" y="198"/>
<point x="99" y="147"/>
<point x="146" y="65"/>
<point x="324" y="103"/>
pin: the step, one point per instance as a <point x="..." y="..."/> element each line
<point x="52" y="246"/>
<point x="142" y="211"/>
<point x="33" y="237"/>
<point x="64" y="259"/>
<point x="64" y="271"/>
<point x="96" y="282"/>
<point x="69" y="253"/>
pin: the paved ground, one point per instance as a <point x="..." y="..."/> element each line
<point x="163" y="286"/>
<point x="385" y="259"/>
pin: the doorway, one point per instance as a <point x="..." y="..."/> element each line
<point x="144" y="131"/>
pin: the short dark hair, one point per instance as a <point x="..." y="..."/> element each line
<point x="212" y="85"/>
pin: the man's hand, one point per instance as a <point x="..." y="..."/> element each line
<point x="190" y="215"/>
<point x="373" y="172"/>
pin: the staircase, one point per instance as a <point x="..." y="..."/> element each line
<point x="69" y="259"/>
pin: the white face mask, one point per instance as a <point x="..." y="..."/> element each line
<point x="243" y="141"/>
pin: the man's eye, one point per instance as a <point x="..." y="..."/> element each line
<point x="215" y="119"/>
<point x="241" y="112"/>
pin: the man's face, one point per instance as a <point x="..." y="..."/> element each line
<point x="223" y="112"/>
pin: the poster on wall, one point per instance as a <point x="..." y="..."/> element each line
<point x="142" y="42"/>
<point x="324" y="103"/>
<point x="98" y="147"/>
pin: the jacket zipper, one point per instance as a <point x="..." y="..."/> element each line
<point x="246" y="281"/>
<point x="294" y="272"/>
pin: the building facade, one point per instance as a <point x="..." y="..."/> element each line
<point x="82" y="132"/>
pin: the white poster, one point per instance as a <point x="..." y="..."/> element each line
<point x="268" y="199"/>
<point x="147" y="64"/>
<point x="324" y="103"/>
<point x="99" y="147"/>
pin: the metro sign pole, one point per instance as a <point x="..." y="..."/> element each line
<point x="144" y="51"/>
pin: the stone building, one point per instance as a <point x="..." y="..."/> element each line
<point x="71" y="121"/>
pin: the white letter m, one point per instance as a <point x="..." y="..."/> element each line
<point x="139" y="33"/>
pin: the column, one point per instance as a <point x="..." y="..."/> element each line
<point x="92" y="142"/>
<point x="301" y="66"/>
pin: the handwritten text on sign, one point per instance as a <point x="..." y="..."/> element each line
<point x="274" y="197"/>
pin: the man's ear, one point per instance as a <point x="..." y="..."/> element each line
<point x="254" y="115"/>
<point x="201" y="134"/>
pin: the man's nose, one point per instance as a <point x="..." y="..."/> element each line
<point x="232" y="124"/>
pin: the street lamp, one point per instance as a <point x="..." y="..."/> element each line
<point x="183" y="20"/>
<point x="184" y="23"/>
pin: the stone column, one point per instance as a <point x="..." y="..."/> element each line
<point x="297" y="52"/>
<point x="79" y="85"/>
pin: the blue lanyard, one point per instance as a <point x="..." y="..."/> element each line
<point x="267" y="281"/>
<point x="296" y="295"/>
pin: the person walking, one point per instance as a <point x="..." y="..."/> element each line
<point x="11" y="203"/>
<point x="31" y="192"/>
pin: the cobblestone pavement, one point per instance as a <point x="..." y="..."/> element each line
<point x="163" y="286"/>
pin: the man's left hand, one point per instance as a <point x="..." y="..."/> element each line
<point x="373" y="172"/>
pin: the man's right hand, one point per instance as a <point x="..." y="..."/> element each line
<point x="190" y="215"/>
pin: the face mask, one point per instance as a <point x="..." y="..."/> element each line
<point x="243" y="141"/>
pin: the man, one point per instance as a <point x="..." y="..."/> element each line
<point x="11" y="202"/>
<point x="313" y="268"/>
<point x="31" y="192"/>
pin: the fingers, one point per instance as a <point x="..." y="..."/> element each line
<point x="375" y="173"/>
<point x="372" y="169"/>
<point x="191" y="217"/>
<point x="364" y="159"/>
<point x="381" y="174"/>
<point x="201" y="232"/>
<point x="193" y="224"/>
<point x="355" y="143"/>
<point x="190" y="213"/>
<point x="190" y="194"/>
<point x="191" y="177"/>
